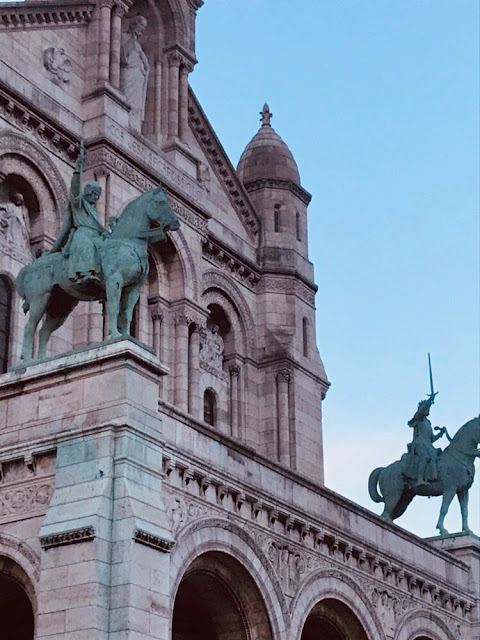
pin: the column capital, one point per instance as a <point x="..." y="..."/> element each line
<point x="284" y="375"/>
<point x="105" y="3"/>
<point x="234" y="370"/>
<point x="177" y="55"/>
<point x="119" y="8"/>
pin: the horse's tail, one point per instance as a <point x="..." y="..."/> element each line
<point x="20" y="285"/>
<point x="372" y="485"/>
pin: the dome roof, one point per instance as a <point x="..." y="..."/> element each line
<point x="267" y="156"/>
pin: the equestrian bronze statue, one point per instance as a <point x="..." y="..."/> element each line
<point x="89" y="262"/>
<point x="427" y="471"/>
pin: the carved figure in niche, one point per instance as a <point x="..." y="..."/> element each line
<point x="212" y="347"/>
<point x="14" y="221"/>
<point x="134" y="70"/>
<point x="55" y="61"/>
<point x="81" y="230"/>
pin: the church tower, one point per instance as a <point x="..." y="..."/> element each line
<point x="294" y="376"/>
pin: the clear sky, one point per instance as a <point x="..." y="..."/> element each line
<point x="379" y="103"/>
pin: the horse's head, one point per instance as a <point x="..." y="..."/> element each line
<point x="160" y="211"/>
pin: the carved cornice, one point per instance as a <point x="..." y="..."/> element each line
<point x="72" y="536"/>
<point x="150" y="540"/>
<point x="300" y="546"/>
<point x="27" y="120"/>
<point x="222" y="166"/>
<point x="223" y="258"/>
<point x="44" y="15"/>
<point x="176" y="54"/>
<point x="277" y="183"/>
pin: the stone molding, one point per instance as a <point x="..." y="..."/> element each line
<point x="43" y="15"/>
<point x="287" y="284"/>
<point x="28" y="121"/>
<point x="221" y="257"/>
<point x="213" y="370"/>
<point x="72" y="536"/>
<point x="309" y="546"/>
<point x="150" y="540"/>
<point x="227" y="175"/>
<point x="277" y="183"/>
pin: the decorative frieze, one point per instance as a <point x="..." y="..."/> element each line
<point x="82" y="534"/>
<point x="21" y="500"/>
<point x="225" y="260"/>
<point x="296" y="547"/>
<point x="150" y="540"/>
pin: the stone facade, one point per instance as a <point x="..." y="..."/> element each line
<point x="172" y="486"/>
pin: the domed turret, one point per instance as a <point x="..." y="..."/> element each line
<point x="267" y="156"/>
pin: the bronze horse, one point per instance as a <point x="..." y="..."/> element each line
<point x="456" y="470"/>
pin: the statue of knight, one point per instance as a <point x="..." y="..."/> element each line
<point x="428" y="471"/>
<point x="81" y="230"/>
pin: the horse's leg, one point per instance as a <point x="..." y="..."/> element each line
<point x="127" y="305"/>
<point x="113" y="284"/>
<point x="448" y="496"/>
<point x="59" y="308"/>
<point x="36" y="311"/>
<point x="462" y="495"/>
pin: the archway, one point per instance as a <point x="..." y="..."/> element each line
<point x="331" y="619"/>
<point x="16" y="611"/>
<point x="218" y="600"/>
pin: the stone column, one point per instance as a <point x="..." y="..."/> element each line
<point x="173" y="90"/>
<point x="283" y="416"/>
<point x="157" y="320"/>
<point x="116" y="34"/>
<point x="194" y="374"/>
<point x="234" y="409"/>
<point x="104" y="41"/>
<point x="182" y="323"/>
<point x="158" y="101"/>
<point x="183" y="100"/>
<point x="143" y="317"/>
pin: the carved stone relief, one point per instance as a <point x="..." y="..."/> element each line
<point x="211" y="351"/>
<point x="56" y="62"/>
<point x="19" y="500"/>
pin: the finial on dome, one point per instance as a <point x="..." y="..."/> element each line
<point x="266" y="115"/>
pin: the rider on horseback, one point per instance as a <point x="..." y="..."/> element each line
<point x="422" y="457"/>
<point x="81" y="230"/>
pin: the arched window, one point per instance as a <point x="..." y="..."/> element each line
<point x="305" y="337"/>
<point x="276" y="218"/>
<point x="297" y="226"/>
<point x="5" y="314"/>
<point x="209" y="407"/>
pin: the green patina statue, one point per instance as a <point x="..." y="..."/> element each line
<point x="427" y="471"/>
<point x="88" y="262"/>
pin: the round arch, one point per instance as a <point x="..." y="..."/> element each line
<point x="417" y="625"/>
<point x="219" y="535"/>
<point x="21" y="156"/>
<point x="336" y="586"/>
<point x="19" y="562"/>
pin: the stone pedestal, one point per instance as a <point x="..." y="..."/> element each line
<point x="105" y="538"/>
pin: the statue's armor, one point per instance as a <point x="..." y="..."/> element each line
<point x="422" y="458"/>
<point x="80" y="234"/>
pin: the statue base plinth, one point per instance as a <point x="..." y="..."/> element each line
<point x="91" y="385"/>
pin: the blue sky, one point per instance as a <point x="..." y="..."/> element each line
<point x="379" y="103"/>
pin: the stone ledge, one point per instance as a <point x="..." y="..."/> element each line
<point x="72" y="536"/>
<point x="150" y="540"/>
